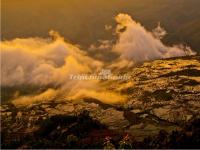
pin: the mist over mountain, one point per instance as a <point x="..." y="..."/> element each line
<point x="84" y="22"/>
<point x="52" y="61"/>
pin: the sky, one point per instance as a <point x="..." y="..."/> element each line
<point x="83" y="22"/>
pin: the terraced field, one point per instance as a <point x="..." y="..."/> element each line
<point x="161" y="95"/>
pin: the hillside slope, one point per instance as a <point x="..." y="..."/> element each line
<point x="162" y="95"/>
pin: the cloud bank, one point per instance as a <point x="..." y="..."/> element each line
<point x="43" y="62"/>
<point x="50" y="62"/>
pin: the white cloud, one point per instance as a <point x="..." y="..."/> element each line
<point x="42" y="62"/>
<point x="137" y="44"/>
